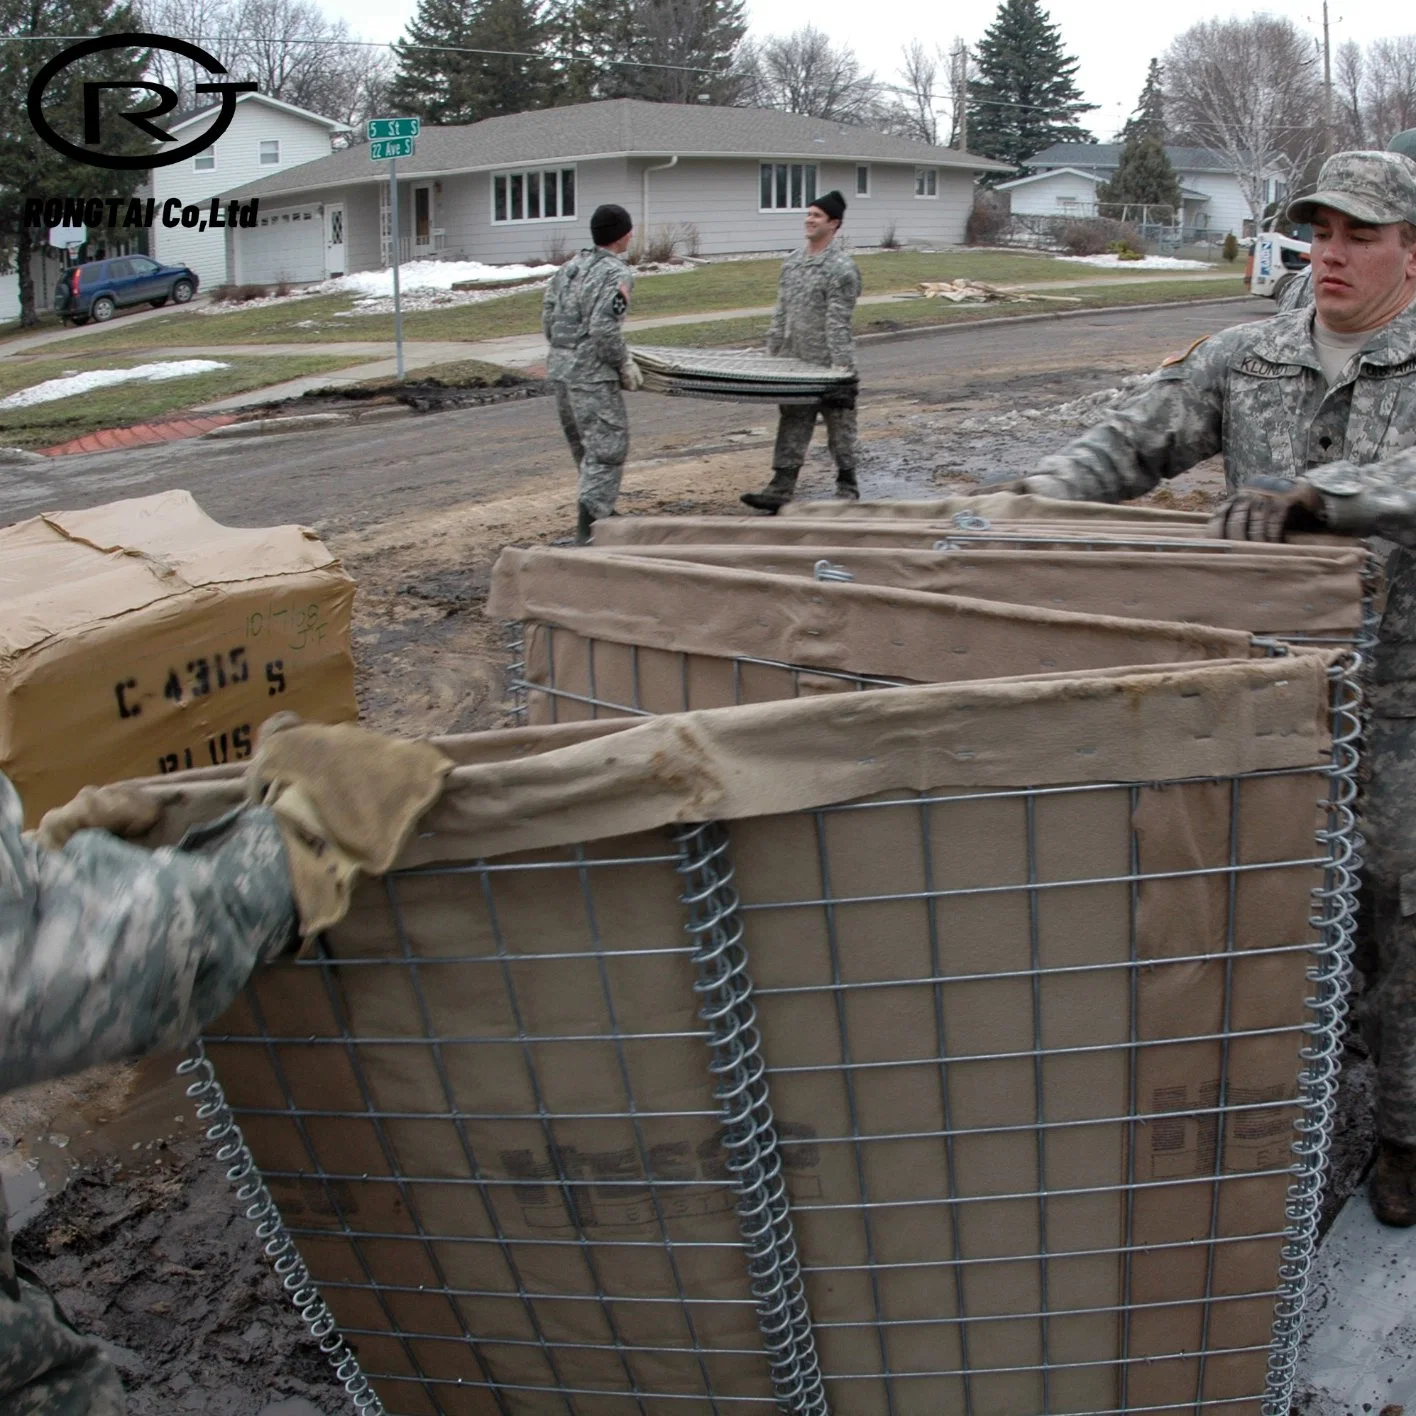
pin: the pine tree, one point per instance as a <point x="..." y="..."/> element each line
<point x="1148" y="121"/>
<point x="1144" y="177"/>
<point x="438" y="84"/>
<point x="1026" y="97"/>
<point x="688" y="48"/>
<point x="29" y="167"/>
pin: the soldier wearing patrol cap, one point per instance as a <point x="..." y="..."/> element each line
<point x="589" y="363"/>
<point x="1324" y="399"/>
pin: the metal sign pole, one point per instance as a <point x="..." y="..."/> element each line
<point x="395" y="252"/>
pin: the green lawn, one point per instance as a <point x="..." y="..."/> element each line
<point x="45" y="424"/>
<point x="727" y="285"/>
<point x="869" y="319"/>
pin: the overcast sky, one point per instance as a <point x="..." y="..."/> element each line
<point x="1114" y="43"/>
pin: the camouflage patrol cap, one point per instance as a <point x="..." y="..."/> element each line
<point x="1404" y="143"/>
<point x="1375" y="187"/>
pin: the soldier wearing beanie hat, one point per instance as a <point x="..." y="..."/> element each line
<point x="815" y="300"/>
<point x="1315" y="413"/>
<point x="583" y="317"/>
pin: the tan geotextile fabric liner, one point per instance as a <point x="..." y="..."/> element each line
<point x="884" y="531"/>
<point x="403" y="1184"/>
<point x="635" y="633"/>
<point x="1312" y="595"/>
<point x="1007" y="506"/>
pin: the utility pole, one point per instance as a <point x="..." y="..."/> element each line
<point x="963" y="92"/>
<point x="1327" y="86"/>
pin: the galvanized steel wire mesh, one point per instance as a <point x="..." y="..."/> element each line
<point x="898" y="1106"/>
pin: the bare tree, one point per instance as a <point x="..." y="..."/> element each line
<point x="1390" y="88"/>
<point x="805" y="73"/>
<point x="911" y="113"/>
<point x="1249" y="90"/>
<point x="1349" y="72"/>
<point x="209" y="23"/>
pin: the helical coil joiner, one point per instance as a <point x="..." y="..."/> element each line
<point x="244" y="1176"/>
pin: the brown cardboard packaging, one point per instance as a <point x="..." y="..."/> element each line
<point x="144" y="637"/>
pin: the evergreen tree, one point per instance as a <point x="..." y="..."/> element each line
<point x="1026" y="97"/>
<point x="29" y="167"/>
<point x="1148" y="121"/>
<point x="1144" y="177"/>
<point x="688" y="48"/>
<point x="440" y="85"/>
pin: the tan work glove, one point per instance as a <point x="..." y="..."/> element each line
<point x="347" y="801"/>
<point x="124" y="810"/>
<point x="631" y="375"/>
<point x="1260" y="514"/>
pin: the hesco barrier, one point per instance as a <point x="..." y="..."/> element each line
<point x="963" y="1048"/>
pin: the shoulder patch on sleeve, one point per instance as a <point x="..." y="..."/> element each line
<point x="1171" y="360"/>
<point x="620" y="303"/>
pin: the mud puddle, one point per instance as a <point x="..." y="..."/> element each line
<point x="426" y="395"/>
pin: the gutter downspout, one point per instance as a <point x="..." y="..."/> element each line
<point x="644" y="208"/>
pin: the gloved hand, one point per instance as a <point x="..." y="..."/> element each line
<point x="121" y="809"/>
<point x="1257" y="514"/>
<point x="346" y="801"/>
<point x="631" y="375"/>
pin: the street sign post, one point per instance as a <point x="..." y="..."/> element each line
<point x="394" y="128"/>
<point x="390" y="147"/>
<point x="390" y="139"/>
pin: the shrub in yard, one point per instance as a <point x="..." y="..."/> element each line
<point x="687" y="238"/>
<point x="283" y="288"/>
<point x="987" y="220"/>
<point x="556" y="252"/>
<point x="1124" y="251"/>
<point x="1231" y="248"/>
<point x="1096" y="236"/>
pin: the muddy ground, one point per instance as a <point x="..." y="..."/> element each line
<point x="143" y="1244"/>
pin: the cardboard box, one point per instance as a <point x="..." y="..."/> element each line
<point x="142" y="637"/>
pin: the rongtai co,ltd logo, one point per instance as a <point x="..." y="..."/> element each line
<point x="140" y="118"/>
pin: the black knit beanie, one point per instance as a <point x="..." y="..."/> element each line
<point x="609" y="223"/>
<point x="833" y="204"/>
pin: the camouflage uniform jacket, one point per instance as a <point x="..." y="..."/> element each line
<point x="1257" y="394"/>
<point x="108" y="950"/>
<point x="583" y="317"/>
<point x="1296" y="294"/>
<point x="816" y="297"/>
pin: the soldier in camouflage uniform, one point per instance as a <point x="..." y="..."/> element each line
<point x="1296" y="291"/>
<point x="108" y="951"/>
<point x="1328" y="405"/>
<point x="816" y="298"/>
<point x="582" y="316"/>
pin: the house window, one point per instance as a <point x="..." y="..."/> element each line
<point x="926" y="181"/>
<point x="787" y="186"/>
<point x="270" y="152"/>
<point x="205" y="161"/>
<point x="542" y="194"/>
<point x="863" y="180"/>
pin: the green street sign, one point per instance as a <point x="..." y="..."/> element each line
<point x="391" y="147"/>
<point x="394" y="128"/>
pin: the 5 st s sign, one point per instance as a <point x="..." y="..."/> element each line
<point x="141" y="118"/>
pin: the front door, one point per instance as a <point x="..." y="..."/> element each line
<point x="334" y="239"/>
<point x="422" y="221"/>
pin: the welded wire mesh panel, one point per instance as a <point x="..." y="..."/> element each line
<point x="1029" y="1065"/>
<point x="565" y="677"/>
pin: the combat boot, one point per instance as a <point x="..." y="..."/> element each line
<point x="1392" y="1189"/>
<point x="584" y="520"/>
<point x="847" y="488"/>
<point x="775" y="495"/>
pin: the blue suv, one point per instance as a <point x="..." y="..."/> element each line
<point x="97" y="290"/>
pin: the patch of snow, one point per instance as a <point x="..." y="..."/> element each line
<point x="72" y="384"/>
<point x="1114" y="262"/>
<point x="430" y="275"/>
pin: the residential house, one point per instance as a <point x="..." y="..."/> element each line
<point x="522" y="188"/>
<point x="1066" y="175"/>
<point x="266" y="138"/>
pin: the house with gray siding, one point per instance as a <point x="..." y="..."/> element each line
<point x="1064" y="179"/>
<point x="521" y="188"/>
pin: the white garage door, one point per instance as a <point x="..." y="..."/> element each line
<point x="286" y="245"/>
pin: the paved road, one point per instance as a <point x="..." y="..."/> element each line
<point x="345" y="480"/>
